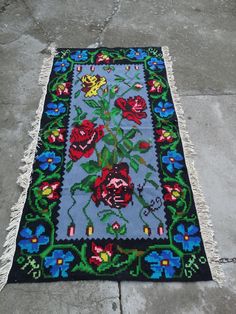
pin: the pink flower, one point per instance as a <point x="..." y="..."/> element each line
<point x="174" y="192"/>
<point x="164" y="136"/>
<point x="155" y="86"/>
<point x="101" y="255"/>
<point x="57" y="135"/>
<point x="63" y="89"/>
<point x="49" y="190"/>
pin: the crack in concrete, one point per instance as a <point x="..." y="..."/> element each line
<point x="105" y="24"/>
<point x="120" y="298"/>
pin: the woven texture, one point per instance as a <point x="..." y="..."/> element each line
<point x="110" y="196"/>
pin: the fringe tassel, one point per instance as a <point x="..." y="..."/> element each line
<point x="189" y="152"/>
<point x="24" y="178"/>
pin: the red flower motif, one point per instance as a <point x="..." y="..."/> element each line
<point x="63" y="89"/>
<point x="174" y="192"/>
<point x="165" y="136"/>
<point x="103" y="58"/>
<point x="144" y="145"/>
<point x="132" y="108"/>
<point x="83" y="139"/>
<point x="101" y="255"/>
<point x="115" y="226"/>
<point x="57" y="135"/>
<point x="114" y="188"/>
<point x="49" y="190"/>
<point x="155" y="86"/>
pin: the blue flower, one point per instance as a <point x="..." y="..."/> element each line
<point x="55" y="109"/>
<point x="61" y="66"/>
<point x="163" y="262"/>
<point x="156" y="64"/>
<point x="164" y="109"/>
<point x="59" y="263"/>
<point x="48" y="160"/>
<point x="32" y="241"/>
<point x="137" y="54"/>
<point x="173" y="160"/>
<point x="80" y="55"/>
<point x="186" y="237"/>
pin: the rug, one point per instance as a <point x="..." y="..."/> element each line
<point x="109" y="187"/>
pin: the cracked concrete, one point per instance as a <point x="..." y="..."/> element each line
<point x="201" y="36"/>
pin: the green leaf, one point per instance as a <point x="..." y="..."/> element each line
<point x="105" y="116"/>
<point x="134" y="165"/>
<point x="77" y="94"/>
<point x="153" y="183"/>
<point x="84" y="185"/>
<point x="69" y="165"/>
<point x="104" y="104"/>
<point x="105" y="156"/>
<point x="121" y="150"/>
<point x="119" y="131"/>
<point x="115" y="157"/>
<point x="91" y="166"/>
<point x="115" y="111"/>
<point x="148" y="175"/>
<point x="128" y="144"/>
<point x="108" y="139"/>
<point x="119" y="78"/>
<point x="97" y="112"/>
<point x="110" y="230"/>
<point x="139" y="159"/>
<point x="92" y="103"/>
<point x="131" y="133"/>
<point x="123" y="230"/>
<point x="106" y="216"/>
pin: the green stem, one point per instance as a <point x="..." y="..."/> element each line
<point x="85" y="214"/>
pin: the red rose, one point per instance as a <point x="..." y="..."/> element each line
<point x="114" y="188"/>
<point x="83" y="139"/>
<point x="132" y="108"/>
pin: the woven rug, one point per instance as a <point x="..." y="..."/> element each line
<point x="109" y="187"/>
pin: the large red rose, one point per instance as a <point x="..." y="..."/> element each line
<point x="114" y="188"/>
<point x="132" y="108"/>
<point x="83" y="139"/>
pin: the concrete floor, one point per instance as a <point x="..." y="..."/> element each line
<point x="201" y="36"/>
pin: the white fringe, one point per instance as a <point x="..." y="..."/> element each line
<point x="202" y="208"/>
<point x="24" y="178"/>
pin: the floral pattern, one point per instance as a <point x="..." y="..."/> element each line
<point x="101" y="255"/>
<point x="164" y="263"/>
<point x="32" y="242"/>
<point x="91" y="84"/>
<point x="55" y="110"/>
<point x="102" y="148"/>
<point x="114" y="188"/>
<point x="48" y="160"/>
<point x="187" y="238"/>
<point x="84" y="138"/>
<point x="133" y="109"/>
<point x="59" y="263"/>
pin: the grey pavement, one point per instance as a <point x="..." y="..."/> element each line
<point x="202" y="39"/>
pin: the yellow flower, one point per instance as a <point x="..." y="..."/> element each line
<point x="92" y="83"/>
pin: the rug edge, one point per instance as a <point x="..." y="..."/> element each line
<point x="202" y="208"/>
<point x="24" y="178"/>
